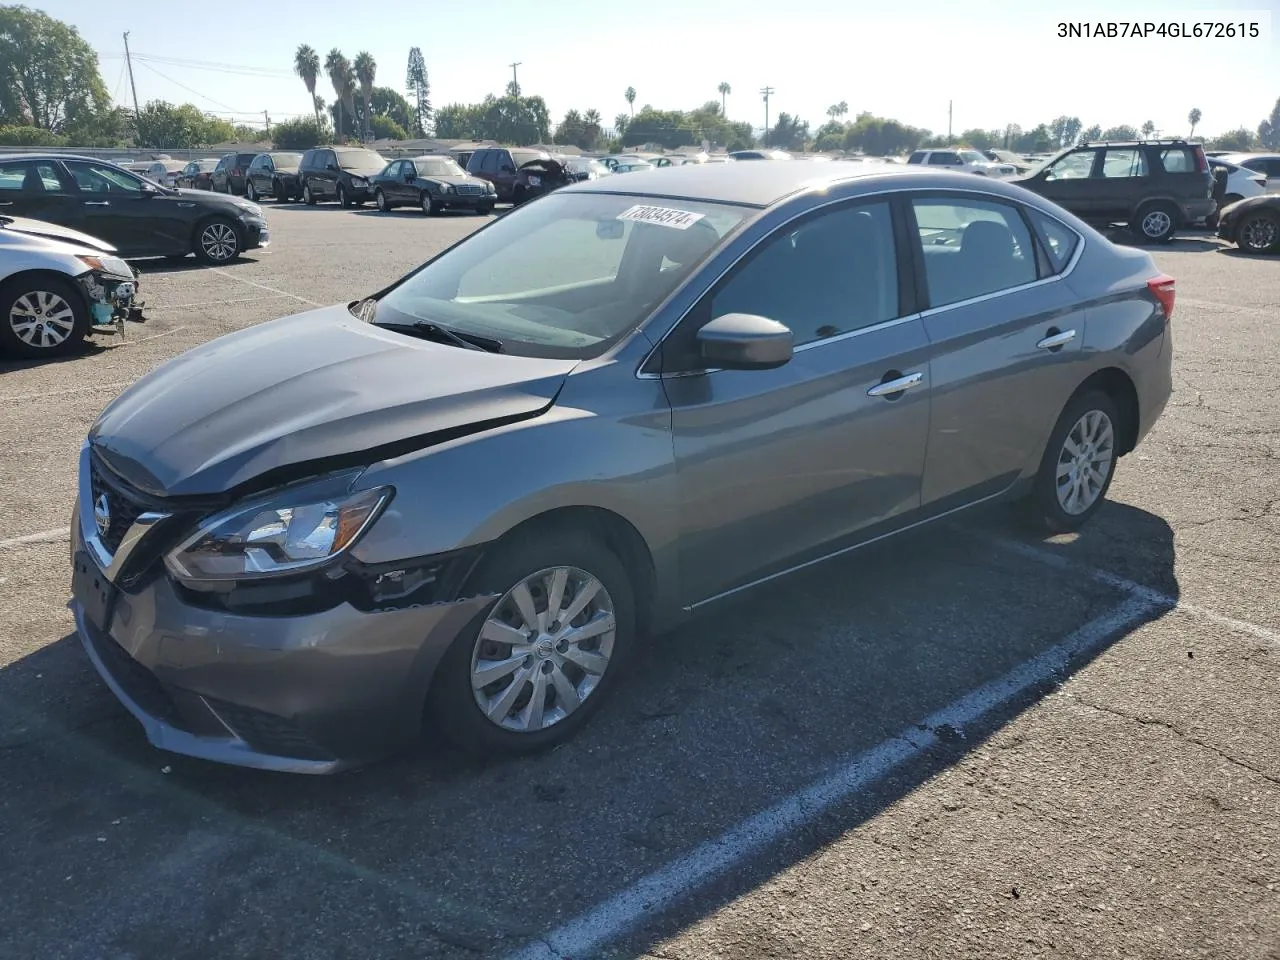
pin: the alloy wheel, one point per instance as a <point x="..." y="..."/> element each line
<point x="219" y="242"/>
<point x="1085" y="462"/>
<point x="42" y="319"/>
<point x="1259" y="234"/>
<point x="1156" y="224"/>
<point x="543" y="650"/>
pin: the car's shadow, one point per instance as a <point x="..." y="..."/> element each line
<point x="190" y="264"/>
<point x="417" y="213"/>
<point x="721" y="719"/>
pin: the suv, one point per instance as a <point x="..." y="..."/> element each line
<point x="229" y="175"/>
<point x="1153" y="186"/>
<point x="962" y="159"/>
<point x="338" y="173"/>
<point x="501" y="167"/>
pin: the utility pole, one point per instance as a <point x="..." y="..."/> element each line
<point x="766" y="92"/>
<point x="515" y="83"/>
<point x="128" y="61"/>
<point x="949" y="103"/>
<point x="266" y="117"/>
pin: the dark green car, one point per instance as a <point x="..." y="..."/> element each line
<point x="432" y="183"/>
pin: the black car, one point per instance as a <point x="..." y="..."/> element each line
<point x="273" y="175"/>
<point x="197" y="175"/>
<point x="138" y="217"/>
<point x="1152" y="186"/>
<point x="432" y="183"/>
<point x="339" y="173"/>
<point x="1252" y="224"/>
<point x="229" y="176"/>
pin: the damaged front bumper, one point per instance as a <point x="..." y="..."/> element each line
<point x="113" y="300"/>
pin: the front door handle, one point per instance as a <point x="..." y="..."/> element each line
<point x="97" y="203"/>
<point x="1056" y="340"/>
<point x="6" y="203"/>
<point x="891" y="387"/>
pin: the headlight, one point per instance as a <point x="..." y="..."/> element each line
<point x="489" y="187"/>
<point x="444" y="188"/>
<point x="290" y="532"/>
<point x="250" y="208"/>
<point x="112" y="265"/>
<point x="359" y="182"/>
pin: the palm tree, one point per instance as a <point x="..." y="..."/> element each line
<point x="630" y="97"/>
<point x="343" y="79"/>
<point x="1194" y="117"/>
<point x="366" y="69"/>
<point x="306" y="64"/>
<point x="1148" y="129"/>
<point x="620" y="123"/>
<point x="725" y="90"/>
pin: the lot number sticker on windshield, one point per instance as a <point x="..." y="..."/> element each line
<point x="661" y="216"/>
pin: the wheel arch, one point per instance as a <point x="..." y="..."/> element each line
<point x="1119" y="386"/>
<point x="208" y="218"/>
<point x="70" y="280"/>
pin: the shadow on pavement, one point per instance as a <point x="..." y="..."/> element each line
<point x="442" y="855"/>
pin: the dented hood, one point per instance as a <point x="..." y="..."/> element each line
<point x="301" y="390"/>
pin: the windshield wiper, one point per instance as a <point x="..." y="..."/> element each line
<point x="366" y="310"/>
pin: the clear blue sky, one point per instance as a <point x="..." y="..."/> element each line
<point x="1000" y="62"/>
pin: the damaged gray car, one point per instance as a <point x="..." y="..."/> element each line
<point x="461" y="503"/>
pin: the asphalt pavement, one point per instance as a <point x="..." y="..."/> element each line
<point x="967" y="742"/>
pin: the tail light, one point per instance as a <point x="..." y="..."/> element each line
<point x="1202" y="162"/>
<point x="1163" y="289"/>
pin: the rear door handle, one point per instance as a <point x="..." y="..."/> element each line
<point x="97" y="203"/>
<point x="6" y="203"/>
<point x="1055" y="340"/>
<point x="890" y="387"/>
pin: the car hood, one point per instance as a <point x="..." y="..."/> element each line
<point x="319" y="390"/>
<point x="210" y="199"/>
<point x="293" y="169"/>
<point x="1271" y="200"/>
<point x="367" y="173"/>
<point x="52" y="231"/>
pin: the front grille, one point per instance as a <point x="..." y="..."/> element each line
<point x="140" y="685"/>
<point x="267" y="732"/>
<point x="124" y="510"/>
<point x="470" y="190"/>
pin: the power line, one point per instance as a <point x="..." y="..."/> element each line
<point x="206" y="65"/>
<point x="197" y="92"/>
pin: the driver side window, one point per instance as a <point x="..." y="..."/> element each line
<point x="96" y="178"/>
<point x="1074" y="166"/>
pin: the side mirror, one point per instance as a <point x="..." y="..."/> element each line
<point x="742" y="341"/>
<point x="331" y="167"/>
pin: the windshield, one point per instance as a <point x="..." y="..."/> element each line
<point x="286" y="159"/>
<point x="360" y="159"/>
<point x="566" y="276"/>
<point x="438" y="167"/>
<point x="972" y="156"/>
<point x="521" y="157"/>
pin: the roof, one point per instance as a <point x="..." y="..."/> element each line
<point x="762" y="183"/>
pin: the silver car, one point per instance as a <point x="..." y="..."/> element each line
<point x="470" y="496"/>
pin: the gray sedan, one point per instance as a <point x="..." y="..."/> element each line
<point x="471" y="496"/>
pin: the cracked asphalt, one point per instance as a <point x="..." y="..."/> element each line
<point x="1129" y="807"/>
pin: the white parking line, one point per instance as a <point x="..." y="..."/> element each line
<point x="625" y="910"/>
<point x="44" y="536"/>
<point x="218" y="303"/>
<point x="263" y="286"/>
<point x="154" y="336"/>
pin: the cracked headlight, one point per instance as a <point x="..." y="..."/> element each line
<point x="292" y="531"/>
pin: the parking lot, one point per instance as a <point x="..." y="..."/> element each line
<point x="967" y="742"/>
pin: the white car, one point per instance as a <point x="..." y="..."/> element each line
<point x="962" y="159"/>
<point x="56" y="286"/>
<point x="163" y="172"/>
<point x="1264" y="164"/>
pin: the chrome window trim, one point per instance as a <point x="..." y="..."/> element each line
<point x="110" y="563"/>
<point x="869" y="198"/>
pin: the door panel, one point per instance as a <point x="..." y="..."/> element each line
<point x="118" y="210"/>
<point x="775" y="467"/>
<point x="1068" y="182"/>
<point x="39" y="190"/>
<point x="996" y="392"/>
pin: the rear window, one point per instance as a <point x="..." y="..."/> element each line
<point x="917" y="157"/>
<point x="1059" y="240"/>
<point x="1178" y="160"/>
<point x="521" y="157"/>
<point x="943" y="157"/>
<point x="360" y="159"/>
<point x="285" y="159"/>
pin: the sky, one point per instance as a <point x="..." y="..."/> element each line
<point x="996" y="63"/>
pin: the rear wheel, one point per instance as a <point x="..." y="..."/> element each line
<point x="41" y="316"/>
<point x="217" y="241"/>
<point x="1155" y="222"/>
<point x="250" y="193"/>
<point x="1078" y="464"/>
<point x="308" y="197"/>
<point x="528" y="673"/>
<point x="1259" y="232"/>
<point x="380" y="200"/>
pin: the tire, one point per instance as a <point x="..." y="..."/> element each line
<point x="282" y="195"/>
<point x="456" y="708"/>
<point x="428" y="205"/>
<point x="342" y="197"/>
<point x="250" y="193"/>
<point x="218" y="241"/>
<point x="308" y="197"/>
<point x="380" y="200"/>
<point x="517" y="196"/>
<point x="31" y="306"/>
<point x="1155" y="222"/>
<point x="1051" y="505"/>
<point x="484" y="209"/>
<point x="1259" y="232"/>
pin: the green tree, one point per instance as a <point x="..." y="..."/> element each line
<point x="48" y="74"/>
<point x="724" y="90"/>
<point x="300" y="134"/>
<point x="306" y="64"/>
<point x="982" y="139"/>
<point x="163" y="125"/>
<point x="1193" y="118"/>
<point x="458" y="121"/>
<point x="1269" y="129"/>
<point x="666" y="128"/>
<point x="384" y="128"/>
<point x="1240" y="139"/>
<point x="630" y="96"/>
<point x="418" y="87"/>
<point x="366" y="70"/>
<point x="343" y="78"/>
<point x="1122" y="132"/>
<point x="620" y="123"/>
<point x="389" y="103"/>
<point x="1064" y="131"/>
<point x="1148" y="128"/>
<point x="881" y="137"/>
<point x="28" y="136"/>
<point x="789" y="133"/>
<point x="1090" y="135"/>
<point x="838" y="111"/>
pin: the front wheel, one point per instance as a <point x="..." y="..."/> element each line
<point x="218" y="242"/>
<point x="380" y="201"/>
<point x="41" y="317"/>
<point x="1078" y="464"/>
<point x="528" y="673"/>
<point x="281" y="192"/>
<point x="429" y="206"/>
<point x="342" y="197"/>
<point x="250" y="193"/>
<point x="484" y="209"/>
<point x="1259" y="232"/>
<point x="308" y="197"/>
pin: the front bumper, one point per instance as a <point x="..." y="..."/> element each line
<point x="465" y="201"/>
<point x="298" y="694"/>
<point x="112" y="300"/>
<point x="255" y="231"/>
<point x="358" y="193"/>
